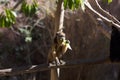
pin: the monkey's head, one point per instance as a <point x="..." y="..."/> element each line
<point x="59" y="38"/>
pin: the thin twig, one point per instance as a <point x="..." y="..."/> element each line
<point x="112" y="17"/>
<point x="87" y="4"/>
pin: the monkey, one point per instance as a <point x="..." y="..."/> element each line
<point x="65" y="45"/>
<point x="53" y="55"/>
<point x="59" y="48"/>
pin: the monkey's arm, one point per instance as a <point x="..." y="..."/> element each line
<point x="52" y="57"/>
<point x="52" y="62"/>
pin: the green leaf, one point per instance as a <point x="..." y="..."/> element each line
<point x="13" y="16"/>
<point x="23" y="6"/>
<point x="8" y="18"/>
<point x="82" y="4"/>
<point x="13" y="13"/>
<point x="35" y="3"/>
<point x="74" y="4"/>
<point x="29" y="9"/>
<point x="70" y="4"/>
<point x="65" y="3"/>
<point x="109" y="1"/>
<point x="7" y="12"/>
<point x="77" y="3"/>
<point x="3" y="21"/>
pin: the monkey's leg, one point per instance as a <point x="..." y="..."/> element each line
<point x="62" y="62"/>
<point x="57" y="61"/>
<point x="53" y="59"/>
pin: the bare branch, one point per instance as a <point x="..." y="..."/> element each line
<point x="107" y="13"/>
<point x="61" y="17"/>
<point x="44" y="67"/>
<point x="87" y="4"/>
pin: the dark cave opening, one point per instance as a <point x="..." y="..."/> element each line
<point x="115" y="45"/>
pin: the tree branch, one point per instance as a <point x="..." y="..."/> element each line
<point x="107" y="13"/>
<point x="59" y="17"/>
<point x="44" y="67"/>
<point x="116" y="24"/>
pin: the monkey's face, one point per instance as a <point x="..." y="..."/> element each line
<point x="60" y="37"/>
<point x="61" y="40"/>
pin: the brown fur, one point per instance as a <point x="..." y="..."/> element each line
<point x="58" y="49"/>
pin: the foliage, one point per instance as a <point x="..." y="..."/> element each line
<point x="29" y="9"/>
<point x="7" y="18"/>
<point x="107" y="1"/>
<point x="74" y="4"/>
